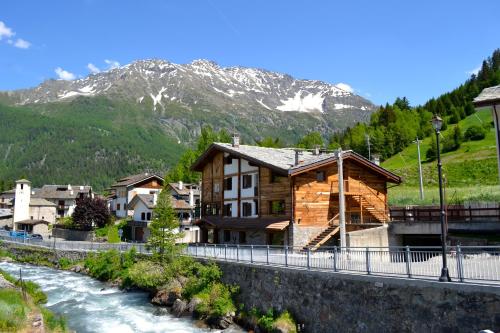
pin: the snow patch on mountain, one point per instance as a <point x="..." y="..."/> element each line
<point x="303" y="103"/>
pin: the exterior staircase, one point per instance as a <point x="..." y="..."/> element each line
<point x="379" y="215"/>
<point x="325" y="235"/>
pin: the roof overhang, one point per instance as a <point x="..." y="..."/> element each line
<point x="137" y="182"/>
<point x="263" y="224"/>
<point x="213" y="149"/>
<point x="391" y="177"/>
<point x="486" y="103"/>
<point x="32" y="222"/>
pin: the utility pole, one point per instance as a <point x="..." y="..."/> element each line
<point x="343" y="243"/>
<point x="417" y="141"/>
<point x="368" y="144"/>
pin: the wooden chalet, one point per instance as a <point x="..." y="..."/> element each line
<point x="258" y="195"/>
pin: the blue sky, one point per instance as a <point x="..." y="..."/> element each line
<point x="383" y="49"/>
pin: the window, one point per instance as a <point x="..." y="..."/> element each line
<point x="247" y="181"/>
<point x="277" y="207"/>
<point x="22" y="186"/>
<point x="125" y="206"/>
<point x="117" y="206"/>
<point x="256" y="204"/>
<point x="143" y="216"/>
<point x="228" y="160"/>
<point x="32" y="217"/>
<point x="228" y="184"/>
<point x="243" y="237"/>
<point x="227" y="236"/>
<point x="228" y="210"/>
<point x="320" y="176"/>
<point x="148" y="216"/>
<point x="247" y="209"/>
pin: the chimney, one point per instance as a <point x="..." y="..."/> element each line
<point x="191" y="197"/>
<point x="236" y="140"/>
<point x="316" y="150"/>
<point x="181" y="185"/>
<point x="376" y="159"/>
<point x="69" y="187"/>
<point x="297" y="157"/>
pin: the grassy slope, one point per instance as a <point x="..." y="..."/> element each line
<point x="471" y="171"/>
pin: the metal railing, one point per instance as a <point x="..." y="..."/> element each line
<point x="475" y="264"/>
<point x="478" y="264"/>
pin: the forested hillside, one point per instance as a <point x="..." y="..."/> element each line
<point x="88" y="141"/>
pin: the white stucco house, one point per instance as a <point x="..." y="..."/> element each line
<point x="125" y="189"/>
<point x="184" y="200"/>
<point x="63" y="196"/>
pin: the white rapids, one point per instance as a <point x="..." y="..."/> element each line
<point x="91" y="306"/>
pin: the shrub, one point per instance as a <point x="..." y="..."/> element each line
<point x="34" y="291"/>
<point x="202" y="277"/>
<point x="285" y="323"/>
<point x="104" y="265"/>
<point x="216" y="300"/>
<point x="147" y="274"/>
<point x="64" y="263"/>
<point x="475" y="133"/>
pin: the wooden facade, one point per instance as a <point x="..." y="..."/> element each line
<point x="308" y="199"/>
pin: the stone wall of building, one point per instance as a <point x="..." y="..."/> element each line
<point x="335" y="302"/>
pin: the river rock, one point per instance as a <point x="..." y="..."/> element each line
<point x="167" y="296"/>
<point x="179" y="307"/>
<point x="193" y="303"/>
<point x="161" y="312"/>
<point x="77" y="269"/>
<point x="225" y="322"/>
<point x="6" y="259"/>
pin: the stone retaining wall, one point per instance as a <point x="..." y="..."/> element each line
<point x="23" y="251"/>
<point x="336" y="302"/>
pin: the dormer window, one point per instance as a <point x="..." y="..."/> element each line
<point x="320" y="176"/>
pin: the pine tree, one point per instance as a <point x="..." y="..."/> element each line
<point x="164" y="230"/>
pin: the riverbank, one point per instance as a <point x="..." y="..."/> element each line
<point x="22" y="309"/>
<point x="183" y="288"/>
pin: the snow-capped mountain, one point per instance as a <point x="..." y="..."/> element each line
<point x="157" y="83"/>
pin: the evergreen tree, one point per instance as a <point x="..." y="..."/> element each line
<point x="310" y="141"/>
<point x="164" y="230"/>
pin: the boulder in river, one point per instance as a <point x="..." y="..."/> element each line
<point x="179" y="308"/>
<point x="167" y="295"/>
<point x="193" y="303"/>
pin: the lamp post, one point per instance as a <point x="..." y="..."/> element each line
<point x="437" y="123"/>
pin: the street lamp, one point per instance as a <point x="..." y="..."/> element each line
<point x="437" y="123"/>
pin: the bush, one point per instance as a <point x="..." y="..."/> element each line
<point x="64" y="263"/>
<point x="109" y="265"/>
<point x="53" y="322"/>
<point x="285" y="323"/>
<point x="216" y="300"/>
<point x="201" y="278"/>
<point x="475" y="133"/>
<point x="147" y="274"/>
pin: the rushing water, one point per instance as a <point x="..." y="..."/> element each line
<point x="92" y="306"/>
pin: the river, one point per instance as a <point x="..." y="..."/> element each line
<point x="91" y="306"/>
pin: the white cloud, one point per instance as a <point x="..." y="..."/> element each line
<point x="5" y="31"/>
<point x="93" y="68"/>
<point x="474" y="71"/>
<point x="344" y="86"/>
<point x="64" y="75"/>
<point x="112" y="63"/>
<point x="22" y="44"/>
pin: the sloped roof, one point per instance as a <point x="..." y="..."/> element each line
<point x="60" y="191"/>
<point x="282" y="160"/>
<point x="147" y="199"/>
<point x="41" y="202"/>
<point x="488" y="96"/>
<point x="134" y="179"/>
<point x="185" y="188"/>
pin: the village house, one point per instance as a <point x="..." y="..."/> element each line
<point x="257" y="195"/>
<point x="63" y="196"/>
<point x="184" y="199"/>
<point x="125" y="189"/>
